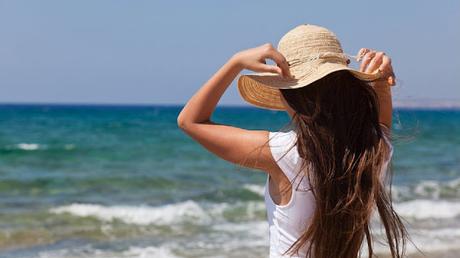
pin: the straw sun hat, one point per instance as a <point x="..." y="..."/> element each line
<point x="312" y="52"/>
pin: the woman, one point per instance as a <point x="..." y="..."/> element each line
<point x="326" y="175"/>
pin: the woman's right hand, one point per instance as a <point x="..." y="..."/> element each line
<point x="373" y="60"/>
<point x="254" y="59"/>
<point x="376" y="60"/>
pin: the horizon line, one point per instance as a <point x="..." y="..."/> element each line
<point x="396" y="104"/>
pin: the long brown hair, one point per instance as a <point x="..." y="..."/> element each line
<point x="342" y="142"/>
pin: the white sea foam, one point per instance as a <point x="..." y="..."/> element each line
<point x="426" y="209"/>
<point x="148" y="252"/>
<point x="207" y="213"/>
<point x="169" y="214"/>
<point x="444" y="232"/>
<point x="36" y="146"/>
<point x="428" y="189"/>
<point x="435" y="189"/>
<point x="258" y="189"/>
<point x="254" y="232"/>
<point x="28" y="146"/>
<point x="426" y="240"/>
<point x="141" y="215"/>
<point x="425" y="189"/>
<point x="132" y="252"/>
<point x="439" y="240"/>
<point x="425" y="243"/>
<point x="227" y="236"/>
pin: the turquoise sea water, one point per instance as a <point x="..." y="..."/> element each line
<point x="120" y="181"/>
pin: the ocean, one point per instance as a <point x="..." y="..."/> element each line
<point x="124" y="181"/>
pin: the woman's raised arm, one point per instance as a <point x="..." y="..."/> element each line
<point x="372" y="61"/>
<point x="233" y="144"/>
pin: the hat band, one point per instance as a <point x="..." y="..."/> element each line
<point x="343" y="58"/>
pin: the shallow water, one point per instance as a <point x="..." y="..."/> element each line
<point x="117" y="181"/>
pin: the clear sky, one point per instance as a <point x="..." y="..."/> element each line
<point x="161" y="52"/>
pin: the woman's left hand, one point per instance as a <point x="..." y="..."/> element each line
<point x="372" y="61"/>
<point x="254" y="59"/>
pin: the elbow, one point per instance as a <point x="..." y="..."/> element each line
<point x="181" y="122"/>
<point x="187" y="124"/>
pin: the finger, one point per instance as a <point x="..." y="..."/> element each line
<point x="374" y="63"/>
<point x="286" y="72"/>
<point x="269" y="69"/>
<point x="387" y="70"/>
<point x="367" y="58"/>
<point x="280" y="60"/>
<point x="361" y="52"/>
<point x="386" y="65"/>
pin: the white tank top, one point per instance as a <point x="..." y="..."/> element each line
<point x="288" y="222"/>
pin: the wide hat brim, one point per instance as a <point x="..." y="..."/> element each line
<point x="262" y="89"/>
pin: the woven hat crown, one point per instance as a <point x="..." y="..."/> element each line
<point x="312" y="53"/>
<point x="307" y="46"/>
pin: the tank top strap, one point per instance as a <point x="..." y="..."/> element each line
<point x="284" y="151"/>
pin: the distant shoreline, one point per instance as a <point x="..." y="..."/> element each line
<point x="427" y="104"/>
<point x="416" y="104"/>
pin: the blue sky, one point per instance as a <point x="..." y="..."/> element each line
<point x="161" y="52"/>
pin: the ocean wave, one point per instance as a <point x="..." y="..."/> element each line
<point x="257" y="189"/>
<point x="132" y="252"/>
<point x="437" y="240"/>
<point x="255" y="229"/>
<point x="201" y="214"/>
<point x="26" y="146"/>
<point x="169" y="214"/>
<point x="227" y="236"/>
<point x="428" y="209"/>
<point x="150" y="251"/>
<point x="37" y="146"/>
<point x="434" y="208"/>
<point x="252" y="236"/>
<point x="424" y="189"/>
<point x="444" y="241"/>
<point x="141" y="215"/>
<point x="428" y="189"/>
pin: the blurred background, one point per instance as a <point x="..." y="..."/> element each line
<point x="92" y="163"/>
